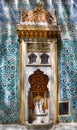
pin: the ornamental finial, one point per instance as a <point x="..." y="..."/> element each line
<point x="39" y="6"/>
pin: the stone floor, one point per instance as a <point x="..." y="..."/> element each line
<point x="70" y="126"/>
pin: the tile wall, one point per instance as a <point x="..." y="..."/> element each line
<point x="9" y="56"/>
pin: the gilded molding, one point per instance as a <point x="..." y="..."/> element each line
<point x="56" y="79"/>
<point x="21" y="87"/>
<point x="35" y="32"/>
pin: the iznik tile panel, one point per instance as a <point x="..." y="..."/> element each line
<point x="9" y="56"/>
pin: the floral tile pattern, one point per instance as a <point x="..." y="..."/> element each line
<point x="9" y="56"/>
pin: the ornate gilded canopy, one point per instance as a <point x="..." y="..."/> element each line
<point x="38" y="23"/>
<point x="38" y="15"/>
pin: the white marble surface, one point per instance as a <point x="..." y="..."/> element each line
<point x="65" y="126"/>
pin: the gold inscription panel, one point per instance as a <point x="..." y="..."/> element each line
<point x="38" y="47"/>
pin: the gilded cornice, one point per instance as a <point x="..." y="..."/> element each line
<point x="35" y="31"/>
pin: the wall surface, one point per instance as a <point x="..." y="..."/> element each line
<point x="66" y="11"/>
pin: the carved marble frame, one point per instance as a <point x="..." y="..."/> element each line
<point x="55" y="72"/>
